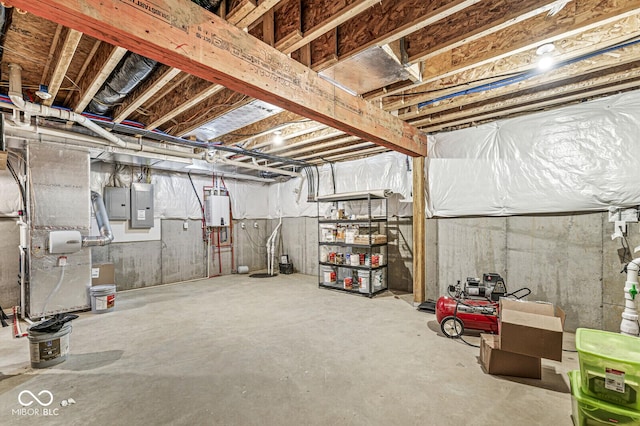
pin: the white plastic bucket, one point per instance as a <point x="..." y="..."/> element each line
<point x="328" y="275"/>
<point x="377" y="280"/>
<point x="103" y="298"/>
<point x="47" y="349"/>
<point x="363" y="281"/>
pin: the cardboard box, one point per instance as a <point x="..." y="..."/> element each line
<point x="496" y="361"/>
<point x="531" y="328"/>
<point x="103" y="273"/>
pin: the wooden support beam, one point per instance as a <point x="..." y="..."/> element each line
<point x="83" y="69"/>
<point x="235" y="15"/>
<point x="574" y="43"/>
<point x="288" y="24"/>
<point x="419" y="231"/>
<point x="359" y="153"/>
<point x="162" y="76"/>
<point x="287" y="133"/>
<point x="398" y="52"/>
<point x="606" y="68"/>
<point x="174" y="109"/>
<point x="305" y="139"/>
<point x="477" y="21"/>
<point x="345" y="13"/>
<point x="268" y="28"/>
<point x="545" y="103"/>
<point x="305" y="55"/>
<point x="103" y="63"/>
<point x="321" y="149"/>
<point x="65" y="56"/>
<point x="331" y="153"/>
<point x="576" y="17"/>
<point x="209" y="109"/>
<point x="179" y="33"/>
<point x="52" y="50"/>
<point x="263" y="7"/>
<point x="390" y="21"/>
<point x="255" y="130"/>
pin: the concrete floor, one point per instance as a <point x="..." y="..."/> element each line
<point x="236" y="350"/>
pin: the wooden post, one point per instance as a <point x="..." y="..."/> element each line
<point x="419" y="234"/>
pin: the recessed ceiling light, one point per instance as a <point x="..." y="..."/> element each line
<point x="545" y="48"/>
<point x="545" y="63"/>
<point x="277" y="137"/>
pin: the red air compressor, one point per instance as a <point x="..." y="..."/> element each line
<point x="473" y="306"/>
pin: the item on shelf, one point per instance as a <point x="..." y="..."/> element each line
<point x="328" y="275"/>
<point x="375" y="239"/>
<point x="348" y="283"/>
<point x="355" y="259"/>
<point x="350" y="235"/>
<point x="363" y="281"/>
<point x="375" y="260"/>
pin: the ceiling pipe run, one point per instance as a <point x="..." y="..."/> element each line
<point x="78" y="139"/>
<point x="31" y="109"/>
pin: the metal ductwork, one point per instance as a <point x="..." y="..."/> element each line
<point x="31" y="109"/>
<point x="210" y="5"/>
<point x="133" y="71"/>
<point x="106" y="234"/>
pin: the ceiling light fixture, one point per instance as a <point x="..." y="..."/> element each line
<point x="277" y="137"/>
<point x="545" y="60"/>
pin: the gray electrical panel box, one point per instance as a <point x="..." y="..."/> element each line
<point x="117" y="203"/>
<point x="141" y="205"/>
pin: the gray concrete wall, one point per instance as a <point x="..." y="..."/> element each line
<point x="400" y="254"/>
<point x="9" y="264"/>
<point x="179" y="256"/>
<point x="569" y="260"/>
<point x="249" y="243"/>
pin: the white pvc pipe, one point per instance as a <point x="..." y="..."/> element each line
<point x="212" y="159"/>
<point x="15" y="94"/>
<point x="629" y="323"/>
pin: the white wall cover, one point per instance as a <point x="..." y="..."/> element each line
<point x="578" y="158"/>
<point x="385" y="171"/>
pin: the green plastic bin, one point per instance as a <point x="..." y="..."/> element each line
<point x="610" y="366"/>
<point x="589" y="411"/>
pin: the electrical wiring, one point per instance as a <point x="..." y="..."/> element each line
<point x="517" y="78"/>
<point x="17" y="179"/>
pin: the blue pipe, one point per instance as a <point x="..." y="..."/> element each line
<point x="524" y="75"/>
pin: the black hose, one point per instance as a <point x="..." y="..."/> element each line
<point x="22" y="196"/>
<point x="196" y="192"/>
